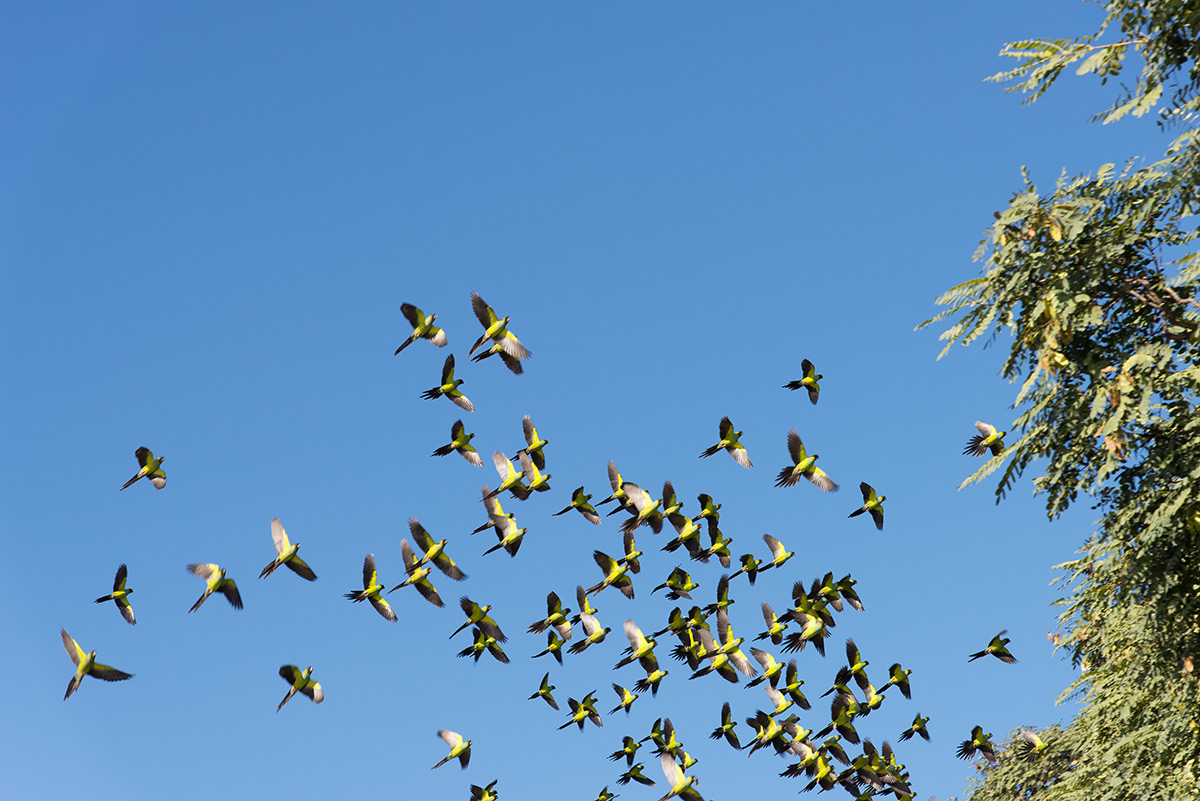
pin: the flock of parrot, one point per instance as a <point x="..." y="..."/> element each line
<point x="703" y="636"/>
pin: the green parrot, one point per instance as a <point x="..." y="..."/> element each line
<point x="654" y="676"/>
<point x="509" y="535"/>
<point x="86" y="665"/>
<point x="718" y="547"/>
<point x="803" y="465"/>
<point x="871" y="503"/>
<point x="729" y="441"/>
<point x="779" y="554"/>
<point x="605" y="795"/>
<point x="626" y="699"/>
<point x="460" y="441"/>
<point x="781" y="703"/>
<point x="301" y="681"/>
<point x="496" y="329"/>
<point x="723" y="600"/>
<point x="618" y="489"/>
<point x="997" y="649"/>
<point x="725" y="730"/>
<point x="543" y="692"/>
<point x="580" y="501"/>
<point x="919" y="726"/>
<point x="534" y="443"/>
<point x="681" y="786"/>
<point x="635" y="774"/>
<point x="771" y="669"/>
<point x="585" y="603"/>
<point x="435" y="552"/>
<point x="492" y="503"/>
<point x="1032" y="747"/>
<point x="120" y="596"/>
<point x="708" y="509"/>
<point x="614" y="575"/>
<point x="979" y="743"/>
<point x="582" y="711"/>
<point x="287" y="554"/>
<point x="639" y="645"/>
<point x="482" y="642"/>
<point x="488" y="793"/>
<point x="538" y="481"/>
<point x="594" y="634"/>
<point x="631" y="553"/>
<point x="679" y="585"/>
<point x="898" y="677"/>
<point x="449" y="387"/>
<point x="687" y="535"/>
<point x="645" y="509"/>
<point x="497" y="349"/>
<point x="478" y="615"/>
<point x="629" y="747"/>
<point x="750" y="566"/>
<point x="423" y="327"/>
<point x="217" y="582"/>
<point x="511" y="478"/>
<point x="809" y="382"/>
<point x="460" y="749"/>
<point x="556" y="618"/>
<point x="416" y="576"/>
<point x="372" y="587"/>
<point x="792" y="684"/>
<point x="775" y="626"/>
<point x="151" y="468"/>
<point x="988" y="439"/>
<point x="553" y="646"/>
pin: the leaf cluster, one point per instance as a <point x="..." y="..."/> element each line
<point x="1094" y="286"/>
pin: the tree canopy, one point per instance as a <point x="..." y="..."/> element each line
<point x="1095" y="284"/>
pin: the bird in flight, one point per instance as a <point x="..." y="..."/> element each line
<point x="809" y="382"/>
<point x="979" y="743"/>
<point x="86" y="665"/>
<point x="534" y="443"/>
<point x="151" y="468"/>
<point x="417" y="576"/>
<point x="301" y="681"/>
<point x="544" y="691"/>
<point x="496" y="329"/>
<point x="580" y="501"/>
<point x="729" y="441"/>
<point x="803" y="465"/>
<point x="287" y="555"/>
<point x="460" y="441"/>
<point x="435" y="552"/>
<point x="988" y="439"/>
<point x="488" y="793"/>
<point x="460" y="749"/>
<point x="997" y="649"/>
<point x="423" y="327"/>
<point x="371" y="589"/>
<point x="217" y="582"/>
<point x="449" y="387"/>
<point x="120" y="596"/>
<point x="513" y="364"/>
<point x="871" y="503"/>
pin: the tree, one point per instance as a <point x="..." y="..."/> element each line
<point x="1095" y="282"/>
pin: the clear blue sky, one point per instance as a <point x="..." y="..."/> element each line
<point x="210" y="219"/>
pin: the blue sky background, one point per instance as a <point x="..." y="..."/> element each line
<point x="210" y="221"/>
